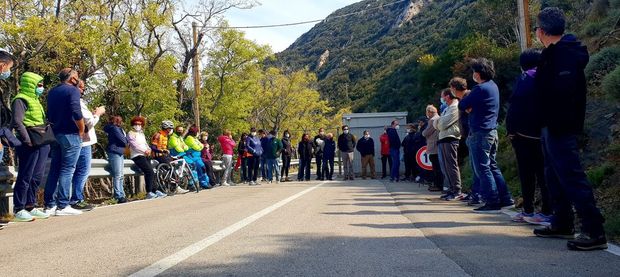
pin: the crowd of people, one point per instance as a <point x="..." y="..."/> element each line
<point x="545" y="116"/>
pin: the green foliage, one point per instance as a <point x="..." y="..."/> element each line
<point x="598" y="174"/>
<point x="611" y="85"/>
<point x="601" y="64"/>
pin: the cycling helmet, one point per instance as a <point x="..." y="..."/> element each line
<point x="167" y="124"/>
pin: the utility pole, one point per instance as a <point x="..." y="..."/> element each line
<point x="524" y="24"/>
<point x="196" y="73"/>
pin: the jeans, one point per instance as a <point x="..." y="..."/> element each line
<point x="29" y="175"/>
<point x="253" y="164"/>
<point x="263" y="167"/>
<point x="385" y="160"/>
<point x="82" y="169"/>
<point x="319" y="168"/>
<point x="286" y="165"/>
<point x="65" y="154"/>
<point x="244" y="170"/>
<point x="328" y="168"/>
<point x="304" y="169"/>
<point x="116" y="162"/>
<point x="145" y="166"/>
<point x="347" y="160"/>
<point x="568" y="184"/>
<point x="395" y="157"/>
<point x="531" y="166"/>
<point x="273" y="165"/>
<point x="475" y="186"/>
<point x="228" y="167"/>
<point x="483" y="150"/>
<point x="2" y="155"/>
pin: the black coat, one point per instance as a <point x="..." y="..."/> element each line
<point x="366" y="146"/>
<point x="346" y="143"/>
<point x="304" y="149"/>
<point x="524" y="107"/>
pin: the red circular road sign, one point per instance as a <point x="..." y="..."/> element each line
<point x="423" y="159"/>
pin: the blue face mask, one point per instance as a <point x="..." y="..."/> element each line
<point x="5" y="75"/>
<point x="39" y="91"/>
<point x="443" y="101"/>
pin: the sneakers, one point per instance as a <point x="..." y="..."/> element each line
<point x="82" y="205"/>
<point x="538" y="219"/>
<point x="474" y="202"/>
<point x="508" y="204"/>
<point x="519" y="217"/>
<point x="180" y="190"/>
<point x="160" y="194"/>
<point x="584" y="242"/>
<point x="151" y="195"/>
<point x="23" y="216"/>
<point x="67" y="211"/>
<point x="460" y="196"/>
<point x="488" y="209"/>
<point x="454" y="197"/>
<point x="50" y="211"/>
<point x="552" y="232"/>
<point x="38" y="214"/>
<point x="121" y="201"/>
<point x="225" y="184"/>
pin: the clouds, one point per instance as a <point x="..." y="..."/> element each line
<point x="283" y="11"/>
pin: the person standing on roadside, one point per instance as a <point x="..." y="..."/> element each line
<point x="227" y="144"/>
<point x="394" y="140"/>
<point x="65" y="116"/>
<point x="385" y="153"/>
<point x="6" y="63"/>
<point x="304" y="149"/>
<point x="366" y="147"/>
<point x="448" y="144"/>
<point x="255" y="150"/>
<point x="287" y="151"/>
<point x="329" y="153"/>
<point x="432" y="136"/>
<point x="271" y="156"/>
<point x="117" y="141"/>
<point x="346" y="145"/>
<point x="561" y="87"/>
<point x="82" y="168"/>
<point x="409" y="145"/>
<point x="318" y="143"/>
<point x="206" y="155"/>
<point x="243" y="155"/>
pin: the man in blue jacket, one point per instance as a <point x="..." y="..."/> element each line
<point x="65" y="115"/>
<point x="366" y="147"/>
<point x="482" y="104"/>
<point x="561" y="86"/>
<point x="394" y="139"/>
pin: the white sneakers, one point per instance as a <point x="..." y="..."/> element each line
<point x="68" y="211"/>
<point x="50" y="211"/>
<point x="181" y="190"/>
<point x="226" y="184"/>
<point x="38" y="214"/>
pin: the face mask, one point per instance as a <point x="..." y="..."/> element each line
<point x="397" y="127"/>
<point x="346" y="131"/>
<point x="5" y="75"/>
<point x="205" y="138"/>
<point x="321" y="133"/>
<point x="39" y="91"/>
<point x="408" y="130"/>
<point x="287" y="135"/>
<point x="137" y="127"/>
<point x="443" y="101"/>
<point x="179" y="133"/>
<point x="170" y="132"/>
<point x="366" y="136"/>
<point x="253" y="134"/>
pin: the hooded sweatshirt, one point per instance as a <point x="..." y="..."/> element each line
<point x="524" y="107"/>
<point x="561" y="86"/>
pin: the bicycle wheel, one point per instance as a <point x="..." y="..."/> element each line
<point x="163" y="175"/>
<point x="188" y="180"/>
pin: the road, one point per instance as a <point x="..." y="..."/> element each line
<point x="360" y="228"/>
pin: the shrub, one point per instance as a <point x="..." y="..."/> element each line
<point x="611" y="84"/>
<point x="597" y="175"/>
<point x="601" y="64"/>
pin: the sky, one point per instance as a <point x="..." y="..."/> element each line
<point x="280" y="12"/>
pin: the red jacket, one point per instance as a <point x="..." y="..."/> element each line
<point x="385" y="144"/>
<point x="227" y="144"/>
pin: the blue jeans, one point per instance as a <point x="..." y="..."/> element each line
<point x="475" y="186"/>
<point x="65" y="154"/>
<point x="2" y="155"/>
<point x="117" y="162"/>
<point x="483" y="151"/>
<point x="30" y="172"/>
<point x="273" y="165"/>
<point x="82" y="169"/>
<point x="395" y="156"/>
<point x="568" y="184"/>
<point x="304" y="169"/>
<point x="263" y="167"/>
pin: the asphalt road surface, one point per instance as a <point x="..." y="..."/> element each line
<point x="359" y="228"/>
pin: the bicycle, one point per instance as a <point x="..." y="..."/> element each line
<point x="176" y="173"/>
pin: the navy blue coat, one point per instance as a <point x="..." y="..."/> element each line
<point x="117" y="140"/>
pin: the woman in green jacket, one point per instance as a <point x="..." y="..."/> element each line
<point x="28" y="112"/>
<point x="195" y="149"/>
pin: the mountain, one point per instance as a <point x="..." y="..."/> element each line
<point x="365" y="54"/>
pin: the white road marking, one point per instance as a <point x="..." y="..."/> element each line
<point x="183" y="254"/>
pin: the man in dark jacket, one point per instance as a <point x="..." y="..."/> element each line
<point x="329" y="152"/>
<point x="409" y="152"/>
<point x="346" y="145"/>
<point x="394" y="139"/>
<point x="561" y="85"/>
<point x="264" y="142"/>
<point x="366" y="147"/>
<point x="287" y="151"/>
<point x="318" y="143"/>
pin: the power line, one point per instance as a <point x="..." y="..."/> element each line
<point x="306" y="22"/>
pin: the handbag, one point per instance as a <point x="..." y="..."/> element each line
<point x="41" y="135"/>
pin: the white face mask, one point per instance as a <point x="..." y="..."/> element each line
<point x="397" y="127"/>
<point x="170" y="132"/>
<point x="321" y="133"/>
<point x="346" y="131"/>
<point x="287" y="135"/>
<point x="366" y="136"/>
<point x="205" y="138"/>
<point x="137" y="128"/>
<point x="253" y="134"/>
